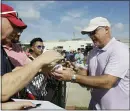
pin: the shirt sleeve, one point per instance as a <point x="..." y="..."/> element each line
<point x="118" y="63"/>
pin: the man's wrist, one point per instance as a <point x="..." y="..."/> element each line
<point x="45" y="60"/>
<point x="73" y="78"/>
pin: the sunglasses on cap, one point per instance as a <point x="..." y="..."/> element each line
<point x="10" y="12"/>
<point x="40" y="47"/>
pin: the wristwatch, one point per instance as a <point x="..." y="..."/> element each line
<point x="73" y="78"/>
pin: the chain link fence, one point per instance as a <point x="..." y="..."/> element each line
<point x="46" y="89"/>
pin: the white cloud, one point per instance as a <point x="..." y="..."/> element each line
<point x="75" y="14"/>
<point x="119" y="26"/>
<point x="30" y="14"/>
<point x="31" y="10"/>
<point x="69" y="22"/>
<point x="66" y="18"/>
<point x="50" y="31"/>
<point x="77" y="28"/>
<point x="78" y="12"/>
<point x="120" y="30"/>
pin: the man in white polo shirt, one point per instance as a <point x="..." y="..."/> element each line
<point x="108" y="68"/>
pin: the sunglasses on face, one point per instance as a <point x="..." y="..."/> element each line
<point x="94" y="32"/>
<point x="91" y="33"/>
<point x="40" y="47"/>
<point x="16" y="32"/>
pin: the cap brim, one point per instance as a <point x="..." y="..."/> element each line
<point x="17" y="22"/>
<point x="88" y="29"/>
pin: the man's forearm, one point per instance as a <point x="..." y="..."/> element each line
<point x="94" y="81"/>
<point x="82" y="71"/>
<point x="14" y="81"/>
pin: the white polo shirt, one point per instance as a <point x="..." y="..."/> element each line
<point x="113" y="59"/>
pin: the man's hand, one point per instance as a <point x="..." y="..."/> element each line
<point x="46" y="70"/>
<point x="63" y="75"/>
<point x="51" y="56"/>
<point x="17" y="105"/>
<point x="78" y="70"/>
<point x="16" y="68"/>
<point x="81" y="71"/>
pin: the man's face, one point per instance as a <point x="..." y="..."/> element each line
<point x="79" y="51"/>
<point x="38" y="48"/>
<point x="98" y="36"/>
<point x="10" y="32"/>
<point x="7" y="28"/>
<point x="16" y="37"/>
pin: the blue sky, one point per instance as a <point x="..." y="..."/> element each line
<point x="54" y="20"/>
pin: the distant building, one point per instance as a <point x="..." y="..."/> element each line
<point x="68" y="45"/>
<point x="65" y="44"/>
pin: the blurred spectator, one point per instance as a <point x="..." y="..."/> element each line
<point x="70" y="56"/>
<point x="36" y="47"/>
<point x="79" y="58"/>
<point x="43" y="86"/>
<point x="36" y="88"/>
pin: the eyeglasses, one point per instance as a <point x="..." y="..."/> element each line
<point x="94" y="32"/>
<point x="40" y="47"/>
<point x="91" y="33"/>
<point x="16" y="32"/>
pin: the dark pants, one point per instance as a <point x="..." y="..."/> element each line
<point x="92" y="105"/>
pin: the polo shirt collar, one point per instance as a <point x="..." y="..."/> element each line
<point x="108" y="45"/>
<point x="7" y="47"/>
<point x="32" y="57"/>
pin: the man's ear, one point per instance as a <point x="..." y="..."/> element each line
<point x="107" y="29"/>
<point x="32" y="48"/>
